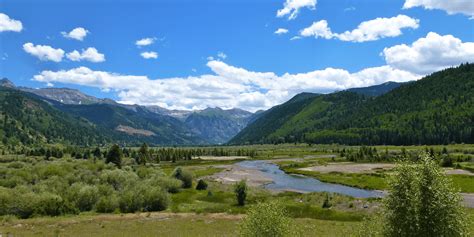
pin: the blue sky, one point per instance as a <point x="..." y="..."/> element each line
<point x="226" y="53"/>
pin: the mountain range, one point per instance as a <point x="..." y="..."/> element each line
<point x="130" y="124"/>
<point x="437" y="109"/>
<point x="433" y="110"/>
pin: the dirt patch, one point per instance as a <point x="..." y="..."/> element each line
<point x="235" y="173"/>
<point x="348" y="167"/>
<point x="458" y="171"/>
<point x="468" y="199"/>
<point x="133" y="131"/>
<point x="223" y="157"/>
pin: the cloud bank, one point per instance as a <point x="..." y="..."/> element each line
<point x="366" y="31"/>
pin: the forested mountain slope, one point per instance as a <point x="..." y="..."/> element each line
<point x="437" y="109"/>
<point x="26" y="119"/>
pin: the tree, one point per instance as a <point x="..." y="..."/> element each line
<point x="114" y="156"/>
<point x="97" y="153"/>
<point x="201" y="185"/>
<point x="267" y="220"/>
<point x="143" y="154"/>
<point x="422" y="202"/>
<point x="241" y="192"/>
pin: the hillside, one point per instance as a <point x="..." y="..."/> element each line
<point x="216" y="125"/>
<point x="28" y="120"/>
<point x="136" y="126"/>
<point x="135" y="123"/>
<point x="437" y="109"/>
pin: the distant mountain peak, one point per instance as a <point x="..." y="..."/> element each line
<point x="7" y="83"/>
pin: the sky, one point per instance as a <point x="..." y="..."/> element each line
<point x="191" y="54"/>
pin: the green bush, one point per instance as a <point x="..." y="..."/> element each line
<point x="49" y="204"/>
<point x="267" y="220"/>
<point x="185" y="176"/>
<point x="83" y="196"/>
<point x="201" y="185"/>
<point x="169" y="184"/>
<point x="107" y="204"/>
<point x="155" y="199"/>
<point x="423" y="202"/>
<point x="240" y="190"/>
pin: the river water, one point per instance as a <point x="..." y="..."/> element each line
<point x="300" y="183"/>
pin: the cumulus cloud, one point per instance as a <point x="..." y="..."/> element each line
<point x="149" y="55"/>
<point x="9" y="24"/>
<point x="465" y="7"/>
<point x="44" y="52"/>
<point x="281" y="31"/>
<point x="227" y="87"/>
<point x="366" y="31"/>
<point x="292" y="7"/>
<point x="145" y="42"/>
<point x="429" y="54"/>
<point x="78" y="33"/>
<point x="90" y="54"/>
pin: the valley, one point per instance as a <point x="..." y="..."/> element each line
<point x="74" y="162"/>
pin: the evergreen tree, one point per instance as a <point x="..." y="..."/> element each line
<point x="114" y="156"/>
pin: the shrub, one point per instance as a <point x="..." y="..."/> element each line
<point x="185" y="176"/>
<point x="423" y="202"/>
<point x="83" y="196"/>
<point x="241" y="192"/>
<point x="446" y="161"/>
<point x="131" y="200"/>
<point x="201" y="185"/>
<point x="107" y="204"/>
<point x="327" y="203"/>
<point x="49" y="204"/>
<point x="118" y="178"/>
<point x="266" y="220"/>
<point x="155" y="199"/>
<point x="169" y="184"/>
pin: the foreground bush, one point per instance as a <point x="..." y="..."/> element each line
<point x="267" y="220"/>
<point x="423" y="202"/>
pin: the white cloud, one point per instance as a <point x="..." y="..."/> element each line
<point x="90" y="54"/>
<point x="281" y="31"/>
<point x="226" y="87"/>
<point x="145" y="41"/>
<point x="318" y="29"/>
<point x="221" y="55"/>
<point x="366" y="31"/>
<point x="429" y="54"/>
<point x="292" y="7"/>
<point x="465" y="7"/>
<point x="44" y="52"/>
<point x="149" y="54"/>
<point x="9" y="24"/>
<point x="78" y="33"/>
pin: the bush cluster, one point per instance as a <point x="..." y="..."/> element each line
<point x="67" y="186"/>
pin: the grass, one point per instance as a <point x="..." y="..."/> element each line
<point x="372" y="181"/>
<point x="464" y="182"/>
<point x="157" y="224"/>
